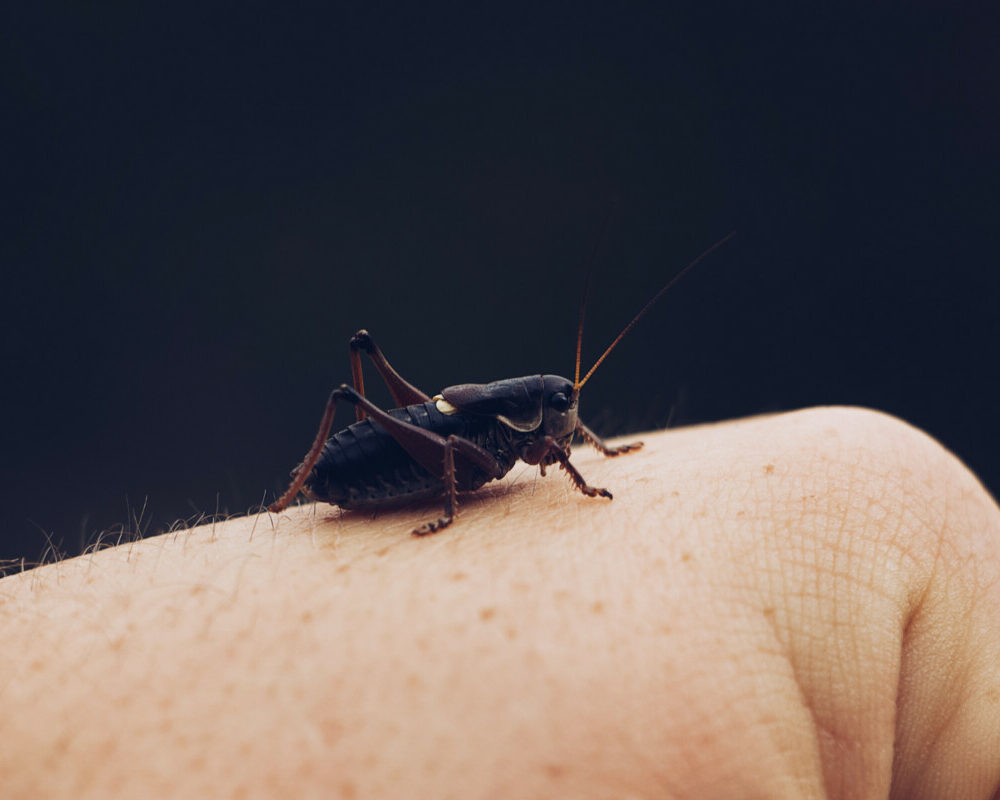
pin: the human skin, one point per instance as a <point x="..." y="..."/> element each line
<point x="798" y="606"/>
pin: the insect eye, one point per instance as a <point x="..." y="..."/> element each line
<point x="559" y="402"/>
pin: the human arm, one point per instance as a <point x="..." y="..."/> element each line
<point x="779" y="607"/>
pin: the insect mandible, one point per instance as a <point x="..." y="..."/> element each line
<point x="455" y="441"/>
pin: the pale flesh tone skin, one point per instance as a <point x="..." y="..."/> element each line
<point x="798" y="606"/>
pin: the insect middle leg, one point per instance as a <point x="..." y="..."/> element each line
<point x="450" y="492"/>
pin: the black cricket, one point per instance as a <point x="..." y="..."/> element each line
<point x="456" y="441"/>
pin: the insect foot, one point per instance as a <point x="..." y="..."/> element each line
<point x="433" y="527"/>
<point x="594" y="491"/>
<point x="631" y="447"/>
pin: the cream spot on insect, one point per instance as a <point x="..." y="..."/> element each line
<point x="443" y="405"/>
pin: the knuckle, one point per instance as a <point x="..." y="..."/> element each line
<point x="867" y="482"/>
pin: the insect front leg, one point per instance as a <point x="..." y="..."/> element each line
<point x="548" y="449"/>
<point x="593" y="439"/>
<point x="403" y="392"/>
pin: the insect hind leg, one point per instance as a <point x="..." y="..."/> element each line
<point x="403" y="392"/>
<point x="433" y="452"/>
<point x="409" y="436"/>
<point x="594" y="440"/>
<point x="301" y="472"/>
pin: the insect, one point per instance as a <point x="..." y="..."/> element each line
<point x="455" y="441"/>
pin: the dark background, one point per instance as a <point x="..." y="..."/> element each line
<point x="201" y="206"/>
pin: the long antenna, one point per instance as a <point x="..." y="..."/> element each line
<point x="598" y="247"/>
<point x="578" y="383"/>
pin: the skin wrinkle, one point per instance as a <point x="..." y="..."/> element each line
<point x="795" y="670"/>
<point x="921" y="631"/>
<point x="764" y="686"/>
<point x="841" y="576"/>
<point x="750" y="490"/>
<point x="901" y="536"/>
<point x="957" y="678"/>
<point x="732" y="543"/>
<point x="919" y="757"/>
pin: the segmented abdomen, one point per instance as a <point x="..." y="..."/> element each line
<point x="363" y="465"/>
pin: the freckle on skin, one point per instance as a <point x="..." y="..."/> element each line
<point x="597" y="607"/>
<point x="108" y="748"/>
<point x="685" y="557"/>
<point x="331" y="731"/>
<point x="487" y="613"/>
<point x="459" y="576"/>
<point x="555" y="770"/>
<point x="510" y="632"/>
<point x="61" y="744"/>
<point x="769" y="469"/>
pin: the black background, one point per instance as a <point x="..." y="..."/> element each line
<point x="200" y="206"/>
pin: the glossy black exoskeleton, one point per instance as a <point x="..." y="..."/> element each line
<point x="456" y="441"/>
